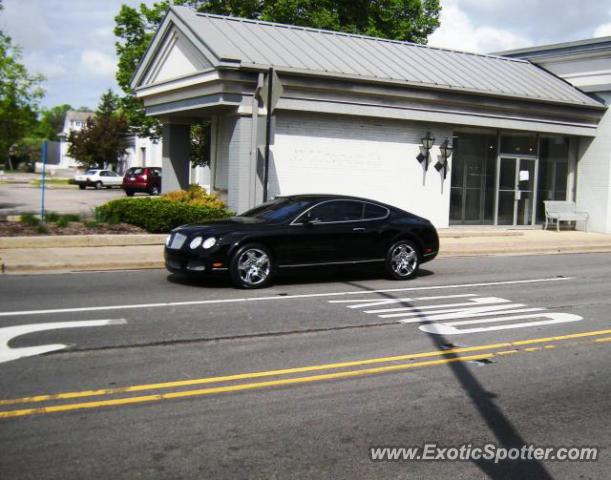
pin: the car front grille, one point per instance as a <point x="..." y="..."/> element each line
<point x="177" y="241"/>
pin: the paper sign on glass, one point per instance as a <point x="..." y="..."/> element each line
<point x="524" y="175"/>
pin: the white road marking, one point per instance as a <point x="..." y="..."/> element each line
<point x="389" y="301"/>
<point x="8" y="354"/>
<point x="408" y="310"/>
<point x="286" y="297"/>
<point x="449" y="328"/>
<point x="433" y="318"/>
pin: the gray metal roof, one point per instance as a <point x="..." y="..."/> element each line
<point x="320" y="52"/>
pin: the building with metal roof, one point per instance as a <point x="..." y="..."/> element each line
<point x="585" y="64"/>
<point x="349" y="114"/>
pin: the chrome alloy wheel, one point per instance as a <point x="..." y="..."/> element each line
<point x="254" y="266"/>
<point x="404" y="260"/>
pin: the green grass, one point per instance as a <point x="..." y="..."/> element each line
<point x="52" y="182"/>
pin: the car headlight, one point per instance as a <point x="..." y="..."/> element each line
<point x="196" y="242"/>
<point x="209" y="242"/>
<point x="167" y="240"/>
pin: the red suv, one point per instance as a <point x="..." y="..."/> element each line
<point x="142" y="179"/>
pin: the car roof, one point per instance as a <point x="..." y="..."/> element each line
<point x="320" y="197"/>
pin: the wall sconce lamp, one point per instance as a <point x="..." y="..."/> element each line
<point x="445" y="149"/>
<point x="427" y="144"/>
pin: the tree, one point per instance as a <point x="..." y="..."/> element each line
<point x="20" y="93"/>
<point x="408" y="20"/>
<point x="103" y="139"/>
<point x="51" y="122"/>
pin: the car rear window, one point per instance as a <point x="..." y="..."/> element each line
<point x="374" y="211"/>
<point x="135" y="171"/>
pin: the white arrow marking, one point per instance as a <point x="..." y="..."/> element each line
<point x="8" y="354"/>
<point x="448" y="328"/>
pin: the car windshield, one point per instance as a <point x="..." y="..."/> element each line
<point x="278" y="210"/>
<point x="91" y="172"/>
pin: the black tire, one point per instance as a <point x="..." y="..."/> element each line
<point x="82" y="187"/>
<point x="402" y="260"/>
<point x="261" y="276"/>
<point x="154" y="190"/>
<point x="98" y="185"/>
<point x="129" y="193"/>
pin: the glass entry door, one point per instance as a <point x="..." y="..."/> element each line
<point x="516" y="198"/>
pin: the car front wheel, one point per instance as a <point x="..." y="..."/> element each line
<point x="154" y="190"/>
<point x="98" y="185"/>
<point x="251" y="267"/>
<point x="402" y="260"/>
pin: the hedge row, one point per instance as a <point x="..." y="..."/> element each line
<point x="157" y="215"/>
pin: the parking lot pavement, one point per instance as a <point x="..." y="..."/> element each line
<point x="149" y="376"/>
<point x="16" y="199"/>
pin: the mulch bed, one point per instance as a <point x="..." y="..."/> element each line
<point x="17" y="229"/>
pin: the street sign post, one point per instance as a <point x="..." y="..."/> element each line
<point x="42" y="182"/>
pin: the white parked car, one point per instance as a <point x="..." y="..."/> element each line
<point x="98" y="178"/>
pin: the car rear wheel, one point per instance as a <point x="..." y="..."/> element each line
<point x="98" y="185"/>
<point x="251" y="267"/>
<point x="402" y="260"/>
<point x="129" y="193"/>
<point x="82" y="187"/>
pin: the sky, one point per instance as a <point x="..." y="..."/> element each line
<point x="71" y="42"/>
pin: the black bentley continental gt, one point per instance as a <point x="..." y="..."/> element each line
<point x="301" y="231"/>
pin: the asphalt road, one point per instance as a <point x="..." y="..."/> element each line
<point x="198" y="380"/>
<point x="16" y="199"/>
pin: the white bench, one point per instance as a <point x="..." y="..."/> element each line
<point x="562" y="211"/>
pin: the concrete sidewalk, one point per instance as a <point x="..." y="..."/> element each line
<point x="124" y="252"/>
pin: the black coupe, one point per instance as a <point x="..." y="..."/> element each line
<point x="303" y="231"/>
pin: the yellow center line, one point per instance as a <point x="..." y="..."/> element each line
<point x="600" y="340"/>
<point x="283" y="382"/>
<point x="311" y="368"/>
<point x="236" y="388"/>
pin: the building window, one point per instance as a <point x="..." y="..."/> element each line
<point x="519" y="143"/>
<point x="553" y="171"/>
<point x="472" y="178"/>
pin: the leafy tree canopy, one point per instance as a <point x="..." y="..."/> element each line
<point x="408" y="20"/>
<point x="20" y="93"/>
<point x="51" y="122"/>
<point x="103" y="140"/>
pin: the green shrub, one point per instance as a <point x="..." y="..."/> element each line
<point x="71" y="217"/>
<point x="63" y="222"/>
<point x="52" y="216"/>
<point x="160" y="214"/>
<point x="42" y="229"/>
<point x="30" y="219"/>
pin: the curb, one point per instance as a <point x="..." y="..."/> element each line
<point x="76" y="267"/>
<point x="70" y="241"/>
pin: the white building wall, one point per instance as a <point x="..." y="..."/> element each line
<point x="364" y="157"/>
<point x="594" y="178"/>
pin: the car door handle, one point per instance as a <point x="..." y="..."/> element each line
<point x="358" y="229"/>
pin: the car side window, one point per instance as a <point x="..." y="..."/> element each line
<point x="374" y="211"/>
<point x="103" y="174"/>
<point x="336" y="211"/>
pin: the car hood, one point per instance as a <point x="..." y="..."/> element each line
<point x="216" y="227"/>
